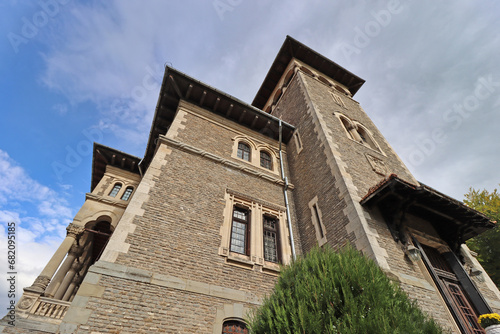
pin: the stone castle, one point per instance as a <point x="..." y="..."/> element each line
<point x="191" y="236"/>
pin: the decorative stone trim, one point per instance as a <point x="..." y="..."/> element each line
<point x="226" y="312"/>
<point x="255" y="153"/>
<point x="39" y="285"/>
<point x="107" y="200"/>
<point x="377" y="164"/>
<point x="178" y="124"/>
<point x="298" y="141"/>
<point x="169" y="281"/>
<point x="255" y="200"/>
<point x="316" y="218"/>
<point x="366" y="238"/>
<point x="74" y="230"/>
<point x="250" y="170"/>
<point x="255" y="260"/>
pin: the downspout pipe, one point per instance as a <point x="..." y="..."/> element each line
<point x="285" y="188"/>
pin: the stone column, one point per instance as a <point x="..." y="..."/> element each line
<point x="77" y="280"/>
<point x="67" y="280"/>
<point x="75" y="268"/>
<point x="74" y="252"/>
<point x="41" y="282"/>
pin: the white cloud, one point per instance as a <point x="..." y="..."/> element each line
<point x="40" y="215"/>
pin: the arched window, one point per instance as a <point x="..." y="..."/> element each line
<point x="127" y="193"/>
<point x="265" y="160"/>
<point x="115" y="190"/>
<point x="348" y="127"/>
<point x="244" y="151"/>
<point x="234" y="327"/>
<point x="366" y="139"/>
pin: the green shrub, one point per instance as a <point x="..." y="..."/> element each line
<point x="344" y="292"/>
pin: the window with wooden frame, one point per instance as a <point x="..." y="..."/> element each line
<point x="127" y="193"/>
<point x="271" y="239"/>
<point x="240" y="231"/>
<point x="244" y="151"/>
<point x="265" y="160"/>
<point x="254" y="234"/>
<point x="115" y="190"/>
<point x="234" y="327"/>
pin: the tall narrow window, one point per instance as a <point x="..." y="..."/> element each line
<point x="298" y="141"/>
<point x="115" y="190"/>
<point x="234" y="327"/>
<point x="318" y="220"/>
<point x="127" y="193"/>
<point x="348" y="127"/>
<point x="452" y="289"/>
<point x="265" y="160"/>
<point x="271" y="240"/>
<point x="365" y="138"/>
<point x="240" y="231"/>
<point x="244" y="151"/>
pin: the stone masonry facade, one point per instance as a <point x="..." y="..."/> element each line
<point x="168" y="264"/>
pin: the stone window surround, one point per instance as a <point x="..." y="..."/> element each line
<point x="298" y="141"/>
<point x="255" y="150"/>
<point x="258" y="209"/>
<point x="117" y="186"/>
<point x="355" y="126"/>
<point x="240" y="323"/>
<point x="125" y="185"/>
<point x="116" y="175"/>
<point x="319" y="227"/>
<point x="228" y="312"/>
<point x="126" y="193"/>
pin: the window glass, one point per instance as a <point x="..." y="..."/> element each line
<point x="365" y="138"/>
<point x="265" y="160"/>
<point x="234" y="327"/>
<point x="127" y="193"/>
<point x="244" y="151"/>
<point x="271" y="239"/>
<point x="115" y="190"/>
<point x="239" y="231"/>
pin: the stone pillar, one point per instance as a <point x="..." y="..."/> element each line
<point x="77" y="280"/>
<point x="75" y="268"/>
<point x="74" y="253"/>
<point x="67" y="280"/>
<point x="41" y="282"/>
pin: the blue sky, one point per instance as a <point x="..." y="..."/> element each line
<point x="77" y="71"/>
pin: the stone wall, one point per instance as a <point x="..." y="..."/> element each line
<point x="162" y="270"/>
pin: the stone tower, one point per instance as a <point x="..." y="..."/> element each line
<point x="190" y="237"/>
